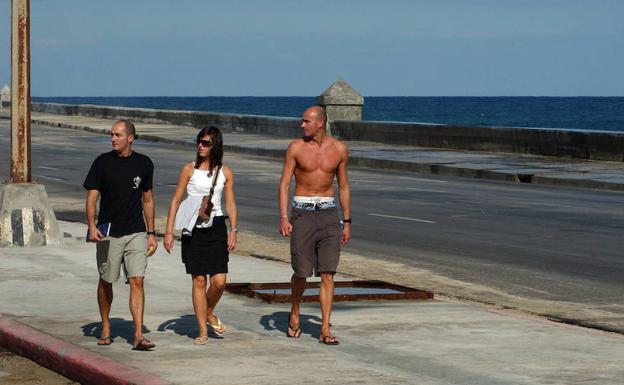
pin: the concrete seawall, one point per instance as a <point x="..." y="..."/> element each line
<point x="254" y="124"/>
<point x="597" y="145"/>
<point x="594" y="145"/>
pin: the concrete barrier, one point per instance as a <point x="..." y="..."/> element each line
<point x="255" y="124"/>
<point x="595" y="145"/>
<point x="26" y="216"/>
<point x="5" y="97"/>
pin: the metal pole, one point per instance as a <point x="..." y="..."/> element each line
<point x="20" y="92"/>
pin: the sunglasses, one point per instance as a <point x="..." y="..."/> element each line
<point x="205" y="143"/>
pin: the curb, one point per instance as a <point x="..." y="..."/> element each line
<point x="69" y="360"/>
<point x="366" y="162"/>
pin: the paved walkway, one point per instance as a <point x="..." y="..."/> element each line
<point x="440" y="341"/>
<point x="437" y="341"/>
<point x="473" y="164"/>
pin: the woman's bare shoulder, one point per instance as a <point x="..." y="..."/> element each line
<point x="188" y="168"/>
<point x="226" y="170"/>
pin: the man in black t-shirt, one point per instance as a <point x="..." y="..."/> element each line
<point x="124" y="232"/>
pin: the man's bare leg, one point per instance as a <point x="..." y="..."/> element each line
<point x="213" y="295"/>
<point x="105" y="301"/>
<point x="298" y="285"/>
<point x="200" y="303"/>
<point x="326" y="298"/>
<point x="137" y="306"/>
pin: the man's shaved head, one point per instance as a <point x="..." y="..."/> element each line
<point x="318" y="112"/>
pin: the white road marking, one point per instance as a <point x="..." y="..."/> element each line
<point x="404" y="218"/>
<point x="47" y="168"/>
<point x="51" y="178"/>
<point x="461" y="215"/>
<point x="425" y="190"/>
<point x="365" y="181"/>
<point x="422" y="179"/>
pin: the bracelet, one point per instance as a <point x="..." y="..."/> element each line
<point x="347" y="220"/>
<point x="234" y="230"/>
<point x="284" y="216"/>
<point x="151" y="232"/>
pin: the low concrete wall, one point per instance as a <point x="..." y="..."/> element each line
<point x="256" y="124"/>
<point x="596" y="145"/>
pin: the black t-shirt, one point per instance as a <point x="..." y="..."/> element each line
<point x="121" y="183"/>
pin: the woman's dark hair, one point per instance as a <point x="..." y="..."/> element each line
<point x="215" y="156"/>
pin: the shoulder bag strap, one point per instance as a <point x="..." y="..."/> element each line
<point x="214" y="181"/>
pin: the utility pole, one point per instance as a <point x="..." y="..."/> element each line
<point x="26" y="217"/>
<point x="20" y="92"/>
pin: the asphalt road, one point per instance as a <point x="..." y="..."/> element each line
<point x="533" y="244"/>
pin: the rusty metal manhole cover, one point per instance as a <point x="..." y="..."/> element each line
<point x="344" y="291"/>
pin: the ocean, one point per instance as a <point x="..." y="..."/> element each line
<point x="584" y="113"/>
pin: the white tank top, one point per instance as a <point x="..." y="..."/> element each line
<point x="198" y="186"/>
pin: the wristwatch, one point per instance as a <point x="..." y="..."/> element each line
<point x="151" y="233"/>
<point x="347" y="220"/>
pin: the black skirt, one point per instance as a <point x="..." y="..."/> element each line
<point x="205" y="252"/>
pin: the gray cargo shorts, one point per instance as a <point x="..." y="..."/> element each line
<point x="131" y="250"/>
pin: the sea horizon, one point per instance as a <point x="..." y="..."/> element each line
<point x="594" y="113"/>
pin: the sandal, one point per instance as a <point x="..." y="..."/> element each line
<point x="203" y="340"/>
<point x="105" y="341"/>
<point x="296" y="331"/>
<point x="218" y="328"/>
<point x="329" y="340"/>
<point x="293" y="332"/>
<point x="143" y="345"/>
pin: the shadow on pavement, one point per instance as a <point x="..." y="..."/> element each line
<point x="185" y="325"/>
<point x="279" y="321"/>
<point x="119" y="328"/>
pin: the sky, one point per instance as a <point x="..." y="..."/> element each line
<point x="298" y="48"/>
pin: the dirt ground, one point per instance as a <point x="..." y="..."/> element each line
<point x="16" y="370"/>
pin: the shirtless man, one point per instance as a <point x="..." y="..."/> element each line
<point x="314" y="228"/>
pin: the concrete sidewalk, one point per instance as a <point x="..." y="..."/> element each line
<point x="438" y="341"/>
<point x="505" y="167"/>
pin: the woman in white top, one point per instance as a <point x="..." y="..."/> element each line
<point x="205" y="243"/>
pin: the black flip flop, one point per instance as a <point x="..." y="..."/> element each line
<point x="143" y="345"/>
<point x="329" y="340"/>
<point x="296" y="332"/>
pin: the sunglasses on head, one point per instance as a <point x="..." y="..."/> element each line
<point x="205" y="143"/>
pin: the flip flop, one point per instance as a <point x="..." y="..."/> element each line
<point x="105" y="341"/>
<point x="143" y="345"/>
<point x="329" y="340"/>
<point x="203" y="340"/>
<point x="296" y="331"/>
<point x="219" y="328"/>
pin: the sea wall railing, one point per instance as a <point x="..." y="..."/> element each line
<point x="595" y="145"/>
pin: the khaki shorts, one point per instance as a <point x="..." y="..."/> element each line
<point x="129" y="250"/>
<point x="315" y="241"/>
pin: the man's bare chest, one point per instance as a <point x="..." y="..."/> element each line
<point x="311" y="162"/>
